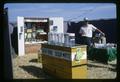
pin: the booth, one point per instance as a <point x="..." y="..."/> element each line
<point x="32" y="31"/>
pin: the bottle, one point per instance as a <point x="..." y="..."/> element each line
<point x="103" y="40"/>
<point x="66" y="39"/>
<point x="61" y="39"/>
<point x="52" y="38"/>
<point x="55" y="38"/>
<point x="48" y="38"/>
<point x="72" y="42"/>
<point x="71" y="39"/>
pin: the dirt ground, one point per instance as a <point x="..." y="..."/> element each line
<point x="27" y="67"/>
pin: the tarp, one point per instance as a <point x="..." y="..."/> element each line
<point x="102" y="54"/>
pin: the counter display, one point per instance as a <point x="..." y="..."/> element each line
<point x="65" y="62"/>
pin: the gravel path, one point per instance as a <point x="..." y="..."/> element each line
<point x="27" y="67"/>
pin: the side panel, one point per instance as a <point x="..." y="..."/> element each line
<point x="21" y="45"/>
<point x="57" y="24"/>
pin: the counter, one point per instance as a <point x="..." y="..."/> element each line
<point x="65" y="62"/>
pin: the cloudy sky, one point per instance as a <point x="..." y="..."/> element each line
<point x="69" y="11"/>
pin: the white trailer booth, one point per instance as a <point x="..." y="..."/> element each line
<point x="43" y="25"/>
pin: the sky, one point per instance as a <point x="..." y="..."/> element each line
<point x="69" y="11"/>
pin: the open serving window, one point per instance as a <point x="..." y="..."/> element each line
<point x="36" y="29"/>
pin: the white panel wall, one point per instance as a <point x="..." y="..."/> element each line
<point x="20" y="26"/>
<point x="57" y="21"/>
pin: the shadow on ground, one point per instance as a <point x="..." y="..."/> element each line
<point x="36" y="71"/>
<point x="113" y="69"/>
<point x="113" y="65"/>
<point x="99" y="66"/>
<point x="34" y="60"/>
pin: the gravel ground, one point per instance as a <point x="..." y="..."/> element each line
<point x="27" y="67"/>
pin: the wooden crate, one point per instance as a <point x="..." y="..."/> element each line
<point x="63" y="68"/>
<point x="79" y="72"/>
<point x="63" y="75"/>
<point x="81" y="62"/>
